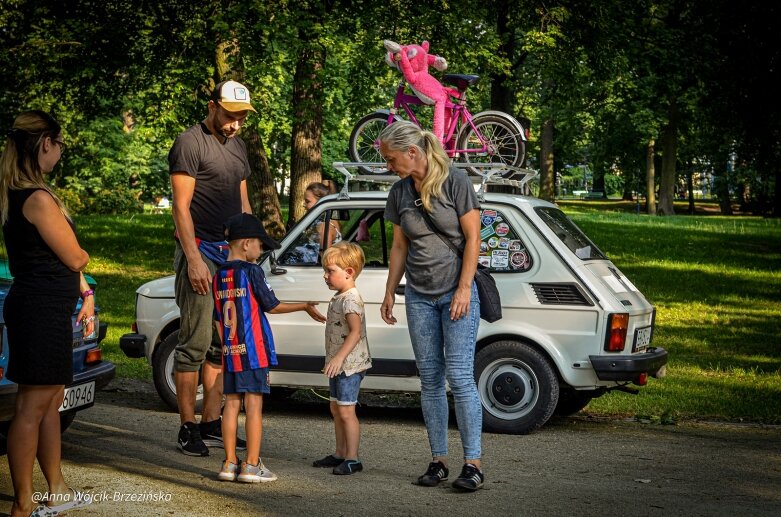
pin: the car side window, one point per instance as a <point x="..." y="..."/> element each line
<point x="306" y="250"/>
<point x="364" y="226"/>
<point x="501" y="248"/>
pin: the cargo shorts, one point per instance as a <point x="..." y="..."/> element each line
<point x="198" y="339"/>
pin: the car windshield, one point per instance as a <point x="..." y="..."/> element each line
<point x="570" y="234"/>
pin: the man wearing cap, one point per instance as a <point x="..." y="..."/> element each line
<point x="209" y="170"/>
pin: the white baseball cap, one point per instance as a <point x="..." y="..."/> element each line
<point x="232" y="96"/>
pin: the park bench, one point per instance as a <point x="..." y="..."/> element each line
<point x="593" y="194"/>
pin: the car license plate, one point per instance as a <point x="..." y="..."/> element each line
<point x="642" y="339"/>
<point x="78" y="396"/>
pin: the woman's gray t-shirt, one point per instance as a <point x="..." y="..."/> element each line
<point x="432" y="268"/>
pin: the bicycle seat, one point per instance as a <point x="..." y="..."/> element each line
<point x="460" y="81"/>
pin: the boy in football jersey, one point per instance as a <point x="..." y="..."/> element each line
<point x="242" y="296"/>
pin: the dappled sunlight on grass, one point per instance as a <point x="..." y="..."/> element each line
<point x="693" y="392"/>
<point x="715" y="281"/>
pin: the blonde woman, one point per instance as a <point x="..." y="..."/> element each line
<point x="46" y="261"/>
<point x="442" y="305"/>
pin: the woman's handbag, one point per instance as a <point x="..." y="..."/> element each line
<point x="490" y="303"/>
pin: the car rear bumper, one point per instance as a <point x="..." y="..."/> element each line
<point x="101" y="373"/>
<point x="627" y="368"/>
<point x="133" y="345"/>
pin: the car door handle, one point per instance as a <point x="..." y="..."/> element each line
<point x="400" y="289"/>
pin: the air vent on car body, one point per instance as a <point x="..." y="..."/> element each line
<point x="560" y="294"/>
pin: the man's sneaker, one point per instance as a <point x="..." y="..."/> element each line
<point x="470" y="478"/>
<point x="255" y="473"/>
<point x="436" y="473"/>
<point x="228" y="472"/>
<point x="348" y="467"/>
<point x="190" y="442"/>
<point x="328" y="461"/>
<point x="211" y="432"/>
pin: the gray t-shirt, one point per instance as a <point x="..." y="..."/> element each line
<point x="432" y="268"/>
<point x="218" y="170"/>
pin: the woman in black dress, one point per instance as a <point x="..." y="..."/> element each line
<point x="46" y="261"/>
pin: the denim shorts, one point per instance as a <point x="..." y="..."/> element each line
<point x="344" y="388"/>
<point x="249" y="381"/>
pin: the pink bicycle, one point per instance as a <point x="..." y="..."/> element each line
<point x="488" y="137"/>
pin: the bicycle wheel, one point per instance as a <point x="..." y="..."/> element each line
<point x="364" y="140"/>
<point x="501" y="135"/>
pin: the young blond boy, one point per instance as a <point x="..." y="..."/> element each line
<point x="241" y="298"/>
<point x="347" y="354"/>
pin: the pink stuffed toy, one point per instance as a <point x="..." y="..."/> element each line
<point x="413" y="61"/>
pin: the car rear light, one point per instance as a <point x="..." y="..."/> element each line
<point x="94" y="355"/>
<point x="617" y="325"/>
<point x="642" y="379"/>
<point x="2" y="373"/>
<point x="134" y="327"/>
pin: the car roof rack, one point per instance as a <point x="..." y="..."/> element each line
<point x="482" y="173"/>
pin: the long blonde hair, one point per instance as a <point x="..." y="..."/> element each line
<point x="19" y="167"/>
<point x="402" y="135"/>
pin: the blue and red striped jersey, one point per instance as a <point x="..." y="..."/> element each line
<point x="242" y="296"/>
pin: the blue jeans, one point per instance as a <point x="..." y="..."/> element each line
<point x="445" y="349"/>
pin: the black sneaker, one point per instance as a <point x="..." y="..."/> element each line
<point x="470" y="478"/>
<point x="190" y="442"/>
<point x="347" y="467"/>
<point x="212" y="435"/>
<point x="328" y="461"/>
<point x="436" y="473"/>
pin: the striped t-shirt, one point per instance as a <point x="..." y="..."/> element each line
<point x="242" y="296"/>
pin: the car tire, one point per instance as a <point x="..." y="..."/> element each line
<point x="572" y="401"/>
<point x="163" y="372"/>
<point x="518" y="387"/>
<point x="66" y="419"/>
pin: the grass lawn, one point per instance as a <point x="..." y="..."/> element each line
<point x="716" y="283"/>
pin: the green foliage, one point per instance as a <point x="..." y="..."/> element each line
<point x="604" y="72"/>
<point x="715" y="283"/>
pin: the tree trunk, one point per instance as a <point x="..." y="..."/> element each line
<point x="669" y="159"/>
<point x="501" y="95"/>
<point x="776" y="209"/>
<point x="547" y="172"/>
<point x="690" y="187"/>
<point x="262" y="190"/>
<point x="306" y="149"/>
<point x="650" y="177"/>
<point x="260" y="185"/>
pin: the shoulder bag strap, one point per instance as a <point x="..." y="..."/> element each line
<point x="429" y="222"/>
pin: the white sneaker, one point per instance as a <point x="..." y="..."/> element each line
<point x="255" y="473"/>
<point x="228" y="471"/>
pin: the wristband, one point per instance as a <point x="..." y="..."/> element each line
<point x="88" y="292"/>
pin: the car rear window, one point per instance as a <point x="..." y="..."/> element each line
<point x="501" y="248"/>
<point x="570" y="234"/>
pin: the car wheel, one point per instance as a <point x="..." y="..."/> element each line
<point x="66" y="419"/>
<point x="571" y="401"/>
<point x="163" y="371"/>
<point x="518" y="387"/>
<point x="4" y="437"/>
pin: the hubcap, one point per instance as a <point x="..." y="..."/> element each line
<point x="509" y="388"/>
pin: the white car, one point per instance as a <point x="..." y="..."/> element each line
<point x="573" y="327"/>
